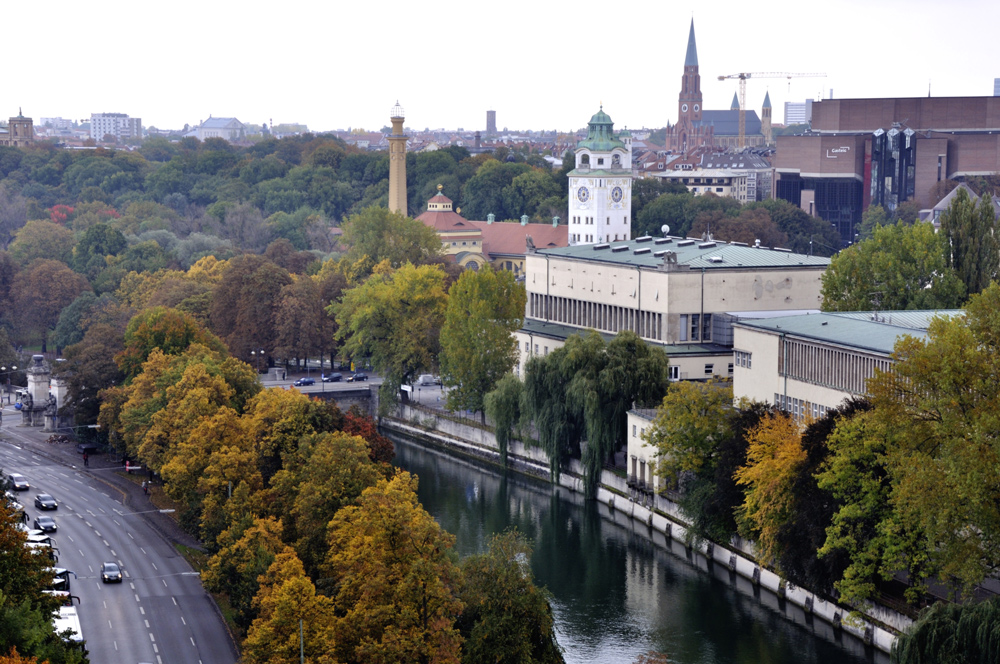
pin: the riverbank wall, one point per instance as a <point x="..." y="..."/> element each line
<point x="659" y="515"/>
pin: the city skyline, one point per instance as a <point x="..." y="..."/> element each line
<point x="334" y="67"/>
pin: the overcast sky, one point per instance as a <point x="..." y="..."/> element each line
<point x="540" y="64"/>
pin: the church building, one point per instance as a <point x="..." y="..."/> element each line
<point x="697" y="127"/>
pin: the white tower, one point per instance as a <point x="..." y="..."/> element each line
<point x="600" y="187"/>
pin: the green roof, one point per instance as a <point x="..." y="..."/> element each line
<point x="865" y="330"/>
<point x="695" y="254"/>
<point x="601" y="134"/>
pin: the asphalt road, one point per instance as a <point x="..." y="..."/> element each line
<point x="160" y="612"/>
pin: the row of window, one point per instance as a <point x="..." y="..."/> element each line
<point x="605" y="317"/>
<point x="576" y="237"/>
<point x="799" y="408"/>
<point x="465" y="243"/>
<point x="742" y="358"/>
<point x="831" y="367"/>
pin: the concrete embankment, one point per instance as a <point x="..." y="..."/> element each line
<point x="662" y="520"/>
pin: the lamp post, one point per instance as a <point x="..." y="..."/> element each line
<point x="3" y="371"/>
<point x="258" y="354"/>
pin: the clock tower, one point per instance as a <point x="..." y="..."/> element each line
<point x="600" y="187"/>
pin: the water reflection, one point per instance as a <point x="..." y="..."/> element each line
<point x="619" y="591"/>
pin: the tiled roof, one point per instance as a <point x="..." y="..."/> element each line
<point x="219" y="123"/>
<point x="508" y="238"/>
<point x="446" y="220"/>
<point x="727" y="123"/>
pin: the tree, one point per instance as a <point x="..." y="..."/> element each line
<point x="13" y="215"/>
<point x="646" y="190"/>
<point x="304" y="329"/>
<point x="42" y="239"/>
<point x="749" y="226"/>
<point x="286" y="600"/>
<point x="559" y="427"/>
<point x="478" y="347"/>
<point x="901" y="267"/>
<point x="90" y="367"/>
<point x="507" y="619"/>
<point x="973" y="246"/>
<point x="690" y="422"/>
<point x="396" y="579"/>
<point x="375" y="235"/>
<point x="948" y="632"/>
<point x="773" y="458"/>
<point x="394" y="318"/>
<point x="168" y="330"/>
<point x="484" y="192"/>
<point x="45" y="288"/>
<point x="94" y="246"/>
<point x="245" y="304"/>
<point x="504" y="405"/>
<point x="873" y="217"/>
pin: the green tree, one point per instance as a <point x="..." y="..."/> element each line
<point x="972" y="248"/>
<point x="375" y="235"/>
<point x="42" y="239"/>
<point x="690" y="422"/>
<point x="647" y="190"/>
<point x="507" y="618"/>
<point x="504" y="405"/>
<point x="91" y="367"/>
<point x="873" y="217"/>
<point x="948" y="632"/>
<point x="304" y="329"/>
<point x="168" y="330"/>
<point x="245" y="304"/>
<point x="396" y="578"/>
<point x="477" y="340"/>
<point x="394" y="318"/>
<point x="901" y="267"/>
<point x="484" y="192"/>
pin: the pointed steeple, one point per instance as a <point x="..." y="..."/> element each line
<point x="692" y="53"/>
<point x="735" y="106"/>
<point x="767" y="100"/>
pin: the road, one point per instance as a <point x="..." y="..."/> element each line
<point x="160" y="612"/>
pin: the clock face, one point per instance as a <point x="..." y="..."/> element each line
<point x="583" y="194"/>
<point x="684" y="108"/>
<point x="696" y="108"/>
<point x="616" y="194"/>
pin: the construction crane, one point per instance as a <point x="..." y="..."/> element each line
<point x="743" y="76"/>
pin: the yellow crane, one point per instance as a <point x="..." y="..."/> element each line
<point x="743" y="76"/>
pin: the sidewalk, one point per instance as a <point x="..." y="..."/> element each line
<point x="102" y="467"/>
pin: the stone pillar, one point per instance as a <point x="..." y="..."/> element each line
<point x="33" y="410"/>
<point x="397" y="162"/>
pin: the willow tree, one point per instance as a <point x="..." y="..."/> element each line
<point x="970" y="230"/>
<point x="952" y="633"/>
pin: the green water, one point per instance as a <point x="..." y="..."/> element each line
<point x="618" y="590"/>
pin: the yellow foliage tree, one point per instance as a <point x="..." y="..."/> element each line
<point x="773" y="456"/>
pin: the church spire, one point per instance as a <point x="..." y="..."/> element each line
<point x="692" y="53"/>
<point x="735" y="106"/>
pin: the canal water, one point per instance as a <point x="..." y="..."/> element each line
<point x="617" y="590"/>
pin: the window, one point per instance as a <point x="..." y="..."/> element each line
<point x="527" y="347"/>
<point x="463" y="244"/>
<point x="683" y="328"/>
<point x="709" y="368"/>
<point x="674" y="372"/>
<point x="546" y="350"/>
<point x="730" y="368"/>
<point x="600" y="161"/>
<point x="536" y="349"/>
<point x="633" y="431"/>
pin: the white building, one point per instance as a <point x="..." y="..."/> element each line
<point x="600" y="186"/>
<point x="118" y="125"/>
<point x="230" y="129"/>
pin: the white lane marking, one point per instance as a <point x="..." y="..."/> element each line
<point x="102" y="510"/>
<point x="147" y="623"/>
<point x="155" y="649"/>
<point x="88" y="523"/>
<point x="160" y="661"/>
<point x="71" y="539"/>
<point x="109" y="626"/>
<point x="116" y="644"/>
<point x="113" y="554"/>
<point x="116" y="521"/>
<point x="183" y="622"/>
<point x="151" y="637"/>
<point x="164" y="582"/>
<point x="64" y="475"/>
<point x="131" y="585"/>
<point x="142" y="610"/>
<point x="77" y="481"/>
<point x="130" y="536"/>
<point x="175" y="600"/>
<point x="105" y="603"/>
<point x="91" y="568"/>
<point x="83" y="499"/>
<point x="127" y="574"/>
<point x="96" y="532"/>
<point x="192" y="640"/>
<point x="154" y="566"/>
<point x="143" y="551"/>
<point x="137" y="598"/>
<point x="105" y="542"/>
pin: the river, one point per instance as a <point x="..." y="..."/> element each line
<point x="617" y="593"/>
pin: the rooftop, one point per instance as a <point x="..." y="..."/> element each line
<point x="695" y="254"/>
<point x="866" y="330"/>
<point x="562" y="332"/>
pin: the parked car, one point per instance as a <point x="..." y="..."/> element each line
<point x="88" y="448"/>
<point x="357" y="377"/>
<point x="111" y="573"/>
<point x="44" y="501"/>
<point x="18" y="482"/>
<point x="428" y="379"/>
<point x="304" y="381"/>
<point x="46" y="524"/>
<point x="333" y="378"/>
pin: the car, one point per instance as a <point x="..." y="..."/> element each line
<point x="44" y="501"/>
<point x="88" y="448"/>
<point x="357" y="377"/>
<point x="304" y="381"/>
<point x="46" y="524"/>
<point x="111" y="573"/>
<point x="428" y="379"/>
<point x="18" y="482"/>
<point x="333" y="378"/>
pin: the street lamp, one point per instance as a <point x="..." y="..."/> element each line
<point x="3" y="371"/>
<point x="258" y="354"/>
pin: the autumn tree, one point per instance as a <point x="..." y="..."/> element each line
<point x="45" y="288"/>
<point x="245" y="304"/>
<point x="292" y="621"/>
<point x="42" y="239"/>
<point x="394" y="318"/>
<point x="773" y="457"/>
<point x="477" y="340"/>
<point x="972" y="244"/>
<point x="901" y="267"/>
<point x="304" y="329"/>
<point x="749" y="226"/>
<point x="507" y="619"/>
<point x="90" y="367"/>
<point x="690" y="422"/>
<point x="396" y="579"/>
<point x="169" y="330"/>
